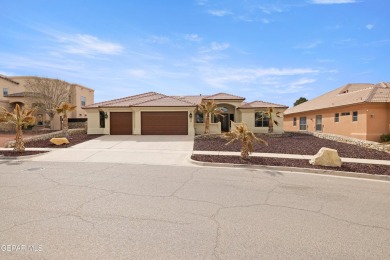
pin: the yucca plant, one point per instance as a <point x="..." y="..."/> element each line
<point x="247" y="138"/>
<point x="64" y="109"/>
<point x="272" y="118"/>
<point x="208" y="108"/>
<point x="19" y="117"/>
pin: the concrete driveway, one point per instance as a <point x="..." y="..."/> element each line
<point x="131" y="149"/>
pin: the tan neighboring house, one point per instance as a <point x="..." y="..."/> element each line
<point x="158" y="114"/>
<point x="356" y="110"/>
<point x="13" y="92"/>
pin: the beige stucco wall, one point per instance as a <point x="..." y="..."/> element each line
<point x="215" y="128"/>
<point x="366" y="128"/>
<point x="94" y="120"/>
<point x="76" y="92"/>
<point x="248" y="117"/>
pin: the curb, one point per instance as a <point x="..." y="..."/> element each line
<point x="295" y="169"/>
<point x="22" y="157"/>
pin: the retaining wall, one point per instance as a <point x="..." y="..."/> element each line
<point x="350" y="140"/>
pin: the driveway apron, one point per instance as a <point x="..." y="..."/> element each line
<point x="131" y="149"/>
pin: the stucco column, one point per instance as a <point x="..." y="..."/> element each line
<point x="136" y="121"/>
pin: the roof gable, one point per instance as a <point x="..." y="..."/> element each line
<point x="8" y="79"/>
<point x="149" y="99"/>
<point x="346" y="95"/>
<point x="260" y="104"/>
<point x="223" y="96"/>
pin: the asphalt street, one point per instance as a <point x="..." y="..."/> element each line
<point x="60" y="210"/>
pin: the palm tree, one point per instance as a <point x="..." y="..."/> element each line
<point x="64" y="109"/>
<point x="247" y="138"/>
<point x="271" y="116"/>
<point x="19" y="117"/>
<point x="208" y="107"/>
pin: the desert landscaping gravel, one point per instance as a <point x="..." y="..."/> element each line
<point x="291" y="143"/>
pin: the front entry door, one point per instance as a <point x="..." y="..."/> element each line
<point x="225" y="123"/>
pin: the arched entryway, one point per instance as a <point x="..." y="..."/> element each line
<point x="228" y="114"/>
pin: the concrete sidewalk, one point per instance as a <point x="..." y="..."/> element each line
<point x="294" y="156"/>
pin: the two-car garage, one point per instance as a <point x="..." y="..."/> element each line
<point x="152" y="123"/>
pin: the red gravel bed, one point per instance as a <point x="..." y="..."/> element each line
<point x="349" y="167"/>
<point x="73" y="139"/>
<point x="294" y="143"/>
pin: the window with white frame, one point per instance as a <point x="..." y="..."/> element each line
<point x="302" y="123"/>
<point x="261" y="119"/>
<point x="355" y="116"/>
<point x="337" y="117"/>
<point x="83" y="101"/>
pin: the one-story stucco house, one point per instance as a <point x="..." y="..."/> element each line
<point x="358" y="110"/>
<point x="153" y="113"/>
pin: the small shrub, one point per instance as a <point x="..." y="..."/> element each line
<point x="385" y="138"/>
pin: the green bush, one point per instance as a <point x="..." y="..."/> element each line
<point x="385" y="138"/>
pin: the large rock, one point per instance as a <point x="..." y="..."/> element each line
<point x="59" y="141"/>
<point x="326" y="157"/>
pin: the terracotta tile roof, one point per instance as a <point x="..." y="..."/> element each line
<point x="8" y="79"/>
<point x="346" y="95"/>
<point x="149" y="99"/>
<point x="219" y="96"/>
<point x="197" y="99"/>
<point x="165" y="101"/>
<point x="260" y="104"/>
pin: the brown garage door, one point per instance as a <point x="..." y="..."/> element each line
<point x="121" y="123"/>
<point x="164" y="123"/>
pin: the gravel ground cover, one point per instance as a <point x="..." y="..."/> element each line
<point x="293" y="143"/>
<point x="73" y="139"/>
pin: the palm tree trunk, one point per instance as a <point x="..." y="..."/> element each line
<point x="207" y="124"/>
<point x="244" y="150"/>
<point x="271" y="126"/>
<point x="19" y="144"/>
<point x="65" y="125"/>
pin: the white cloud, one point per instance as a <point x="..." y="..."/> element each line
<point x="223" y="77"/>
<point x="265" y="21"/>
<point x="219" y="13"/>
<point x="193" y="37"/>
<point x="158" y="39"/>
<point x="88" y="45"/>
<point x="333" y="1"/>
<point x="215" y="46"/>
<point x="369" y="26"/>
<point x="269" y="9"/>
<point x="137" y="73"/>
<point x="310" y="45"/>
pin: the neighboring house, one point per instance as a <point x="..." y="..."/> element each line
<point x="157" y="114"/>
<point x="357" y="110"/>
<point x="13" y="92"/>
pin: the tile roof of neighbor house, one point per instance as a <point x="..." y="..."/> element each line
<point x="346" y="95"/>
<point x="149" y="99"/>
<point x="8" y="79"/>
<point x="22" y="94"/>
<point x="260" y="104"/>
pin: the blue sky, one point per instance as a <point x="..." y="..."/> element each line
<point x="270" y="50"/>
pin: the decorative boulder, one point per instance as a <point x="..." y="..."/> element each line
<point x="59" y="141"/>
<point x="326" y="157"/>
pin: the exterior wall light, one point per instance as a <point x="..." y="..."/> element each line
<point x="105" y="115"/>
<point x="190" y="115"/>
